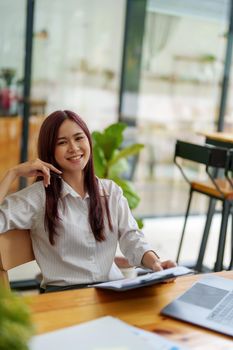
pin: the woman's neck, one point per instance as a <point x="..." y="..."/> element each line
<point x="76" y="181"/>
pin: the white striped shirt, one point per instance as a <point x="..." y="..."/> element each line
<point x="76" y="257"/>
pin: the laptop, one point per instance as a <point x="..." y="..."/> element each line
<point x="208" y="303"/>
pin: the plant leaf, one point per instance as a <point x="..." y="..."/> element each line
<point x="116" y="131"/>
<point x="16" y="326"/>
<point x="100" y="163"/>
<point x="110" y="140"/>
<point x="118" y="168"/>
<point x="126" y="152"/>
<point x="140" y="223"/>
<point x="128" y="191"/>
<point x="111" y="162"/>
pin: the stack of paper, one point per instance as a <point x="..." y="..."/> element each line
<point x="105" y="333"/>
<point x="144" y="280"/>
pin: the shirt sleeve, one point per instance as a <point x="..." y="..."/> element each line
<point x="131" y="240"/>
<point x="18" y="209"/>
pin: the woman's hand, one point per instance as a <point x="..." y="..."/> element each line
<point x="162" y="265"/>
<point x="122" y="262"/>
<point x="152" y="261"/>
<point x="31" y="168"/>
<point x="35" y="168"/>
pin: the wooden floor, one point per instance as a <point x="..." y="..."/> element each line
<point x="10" y="141"/>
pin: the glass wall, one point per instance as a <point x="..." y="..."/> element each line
<point x="77" y="57"/>
<point x="12" y="39"/>
<point x="12" y="42"/>
<point x="76" y="63"/>
<point x="180" y="87"/>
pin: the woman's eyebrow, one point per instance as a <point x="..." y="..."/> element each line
<point x="64" y="137"/>
<point x="78" y="133"/>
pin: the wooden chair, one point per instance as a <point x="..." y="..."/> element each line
<point x="214" y="159"/>
<point x="15" y="250"/>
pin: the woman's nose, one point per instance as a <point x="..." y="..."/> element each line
<point x="73" y="146"/>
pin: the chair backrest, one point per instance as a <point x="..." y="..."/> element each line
<point x="205" y="154"/>
<point x="15" y="249"/>
<point x="212" y="157"/>
<point x="229" y="167"/>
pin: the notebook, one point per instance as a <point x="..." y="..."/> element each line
<point x="145" y="280"/>
<point x="208" y="303"/>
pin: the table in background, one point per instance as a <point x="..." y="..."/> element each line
<point x="138" y="307"/>
<point x="225" y="140"/>
<point x="219" y="139"/>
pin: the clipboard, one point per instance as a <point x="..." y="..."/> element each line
<point x="145" y="280"/>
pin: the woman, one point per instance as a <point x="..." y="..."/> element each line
<point x="75" y="219"/>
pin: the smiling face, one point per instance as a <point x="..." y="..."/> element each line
<point x="72" y="150"/>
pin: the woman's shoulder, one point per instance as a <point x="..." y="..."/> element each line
<point x="108" y="187"/>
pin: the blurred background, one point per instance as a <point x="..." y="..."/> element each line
<point x="162" y="67"/>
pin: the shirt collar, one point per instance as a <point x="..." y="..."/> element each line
<point x="68" y="190"/>
<point x="103" y="191"/>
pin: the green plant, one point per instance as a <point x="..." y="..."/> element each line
<point x="7" y="74"/>
<point x="111" y="159"/>
<point x="15" y="322"/>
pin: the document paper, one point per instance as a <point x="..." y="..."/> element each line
<point x="105" y="333"/>
<point x="144" y="280"/>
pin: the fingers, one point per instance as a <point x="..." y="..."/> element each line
<point x="168" y="264"/>
<point x="157" y="266"/>
<point x="162" y="265"/>
<point x="53" y="168"/>
<point x="46" y="175"/>
<point x="45" y="169"/>
<point x="36" y="168"/>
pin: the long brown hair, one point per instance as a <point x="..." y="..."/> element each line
<point x="46" y="152"/>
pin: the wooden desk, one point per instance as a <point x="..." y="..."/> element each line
<point x="139" y="307"/>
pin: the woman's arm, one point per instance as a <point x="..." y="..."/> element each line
<point x="132" y="241"/>
<point x="28" y="169"/>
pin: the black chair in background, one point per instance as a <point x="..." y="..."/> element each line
<point x="216" y="188"/>
<point x="229" y="176"/>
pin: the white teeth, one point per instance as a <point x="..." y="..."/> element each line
<point x="75" y="157"/>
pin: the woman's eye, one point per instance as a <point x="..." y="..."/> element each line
<point x="61" y="143"/>
<point x="79" y="138"/>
